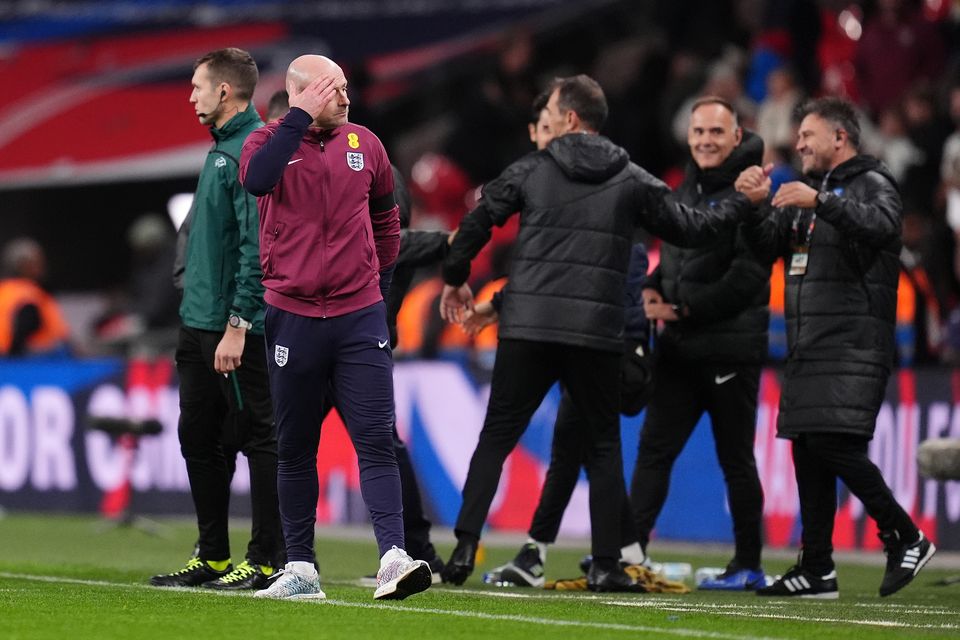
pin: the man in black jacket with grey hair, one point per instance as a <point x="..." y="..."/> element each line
<point x="713" y="303"/>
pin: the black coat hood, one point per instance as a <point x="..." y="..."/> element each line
<point x="586" y="157"/>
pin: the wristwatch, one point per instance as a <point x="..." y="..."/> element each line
<point x="822" y="197"/>
<point x="237" y="322"/>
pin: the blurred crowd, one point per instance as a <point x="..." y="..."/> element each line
<point x="897" y="59"/>
<point x="464" y="121"/>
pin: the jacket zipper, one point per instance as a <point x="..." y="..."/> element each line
<point x="273" y="247"/>
<point x="323" y="233"/>
<point x="824" y="186"/>
<point x="796" y="342"/>
<point x="684" y="253"/>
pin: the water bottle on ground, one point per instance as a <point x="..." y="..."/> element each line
<point x="676" y="571"/>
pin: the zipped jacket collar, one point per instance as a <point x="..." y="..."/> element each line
<point x="242" y="120"/>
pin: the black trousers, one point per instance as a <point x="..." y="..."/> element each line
<point x="683" y="390"/>
<point x="567" y="455"/>
<point x="220" y="416"/>
<point x="819" y="459"/>
<point x="523" y="373"/>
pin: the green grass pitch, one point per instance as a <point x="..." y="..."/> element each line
<point x="71" y="578"/>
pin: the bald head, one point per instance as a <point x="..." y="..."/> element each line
<point x="305" y="77"/>
<point x="308" y="68"/>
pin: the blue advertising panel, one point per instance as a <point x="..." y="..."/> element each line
<point x="52" y="456"/>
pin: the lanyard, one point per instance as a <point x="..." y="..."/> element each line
<point x="795" y="227"/>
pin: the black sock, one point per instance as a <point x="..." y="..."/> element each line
<point x="467" y="538"/>
<point x="605" y="564"/>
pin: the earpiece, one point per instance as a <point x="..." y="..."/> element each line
<point x="223" y="94"/>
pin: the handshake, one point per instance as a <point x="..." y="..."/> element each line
<point x="457" y="306"/>
<point x="754" y="182"/>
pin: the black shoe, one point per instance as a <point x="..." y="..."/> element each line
<point x="526" y="569"/>
<point x="244" y="576"/>
<point x="904" y="561"/>
<point x="460" y="565"/>
<point x="798" y="582"/>
<point x="613" y="579"/>
<point x="196" y="573"/>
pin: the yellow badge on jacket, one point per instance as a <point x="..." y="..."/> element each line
<point x="353" y="141"/>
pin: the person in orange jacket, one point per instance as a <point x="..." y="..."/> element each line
<point x="31" y="321"/>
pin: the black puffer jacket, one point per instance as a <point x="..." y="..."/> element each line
<point x="841" y="313"/>
<point x="579" y="200"/>
<point x="723" y="288"/>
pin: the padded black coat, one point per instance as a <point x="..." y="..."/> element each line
<point x="723" y="288"/>
<point x="579" y="201"/>
<point x="841" y="313"/>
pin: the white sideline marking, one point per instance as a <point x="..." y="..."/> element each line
<point x="743" y="610"/>
<point x="910" y="608"/>
<point x="691" y="633"/>
<point x="662" y="604"/>
<point x="774" y="604"/>
<point x="783" y="616"/>
<point x="659" y="602"/>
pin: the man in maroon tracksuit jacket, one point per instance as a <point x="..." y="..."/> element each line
<point x="329" y="236"/>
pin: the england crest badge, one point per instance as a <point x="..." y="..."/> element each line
<point x="355" y="160"/>
<point x="280" y="355"/>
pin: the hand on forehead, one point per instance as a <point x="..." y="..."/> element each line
<point x="309" y="69"/>
<point x="313" y="83"/>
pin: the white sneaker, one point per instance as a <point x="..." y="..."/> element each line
<point x="401" y="576"/>
<point x="294" y="583"/>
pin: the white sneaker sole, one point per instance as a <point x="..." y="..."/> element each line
<point x="320" y="595"/>
<point x="415" y="579"/>
<point x="925" y="559"/>
<point x="371" y="581"/>
<point x="829" y="595"/>
<point x="921" y="563"/>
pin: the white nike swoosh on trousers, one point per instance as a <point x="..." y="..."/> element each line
<point x="722" y="379"/>
<point x="297" y="160"/>
<point x="381" y="344"/>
